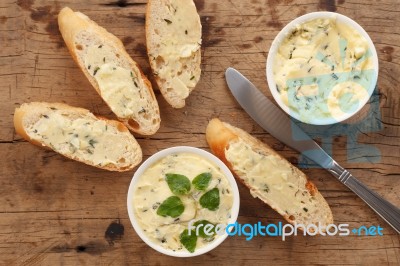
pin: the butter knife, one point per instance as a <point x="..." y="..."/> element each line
<point x="279" y="125"/>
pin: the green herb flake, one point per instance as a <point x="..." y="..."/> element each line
<point x="186" y="32"/>
<point x="134" y="82"/>
<point x="210" y="199"/>
<point x="168" y="21"/>
<point x="172" y="206"/>
<point x="201" y="230"/>
<point x="188" y="241"/>
<point x="178" y="184"/>
<point x="192" y="78"/>
<point x="100" y="46"/>
<point x="92" y="142"/>
<point x="291" y="52"/>
<point x="104" y="59"/>
<point x="95" y="70"/>
<point x="202" y="181"/>
<point x="305" y="209"/>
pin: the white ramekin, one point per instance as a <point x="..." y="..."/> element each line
<point x="156" y="157"/>
<point x="287" y="30"/>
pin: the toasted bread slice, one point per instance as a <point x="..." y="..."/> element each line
<point x="112" y="72"/>
<point x="173" y="36"/>
<point x="78" y="134"/>
<point x="269" y="176"/>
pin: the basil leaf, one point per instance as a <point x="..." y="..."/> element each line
<point x="172" y="206"/>
<point x="202" y="181"/>
<point x="210" y="199"/>
<point x="201" y="229"/>
<point x="188" y="241"/>
<point x="178" y="184"/>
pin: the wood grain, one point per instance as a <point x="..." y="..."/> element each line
<point x="56" y="211"/>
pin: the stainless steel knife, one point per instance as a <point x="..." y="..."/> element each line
<point x="279" y="125"/>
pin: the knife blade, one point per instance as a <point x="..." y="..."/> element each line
<point x="273" y="119"/>
<point x="279" y="125"/>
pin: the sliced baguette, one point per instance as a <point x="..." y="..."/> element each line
<point x="78" y="134"/>
<point x="112" y="72"/>
<point x="173" y="36"/>
<point x="269" y="176"/>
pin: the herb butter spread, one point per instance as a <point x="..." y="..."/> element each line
<point x="83" y="137"/>
<point x="323" y="69"/>
<point x="273" y="180"/>
<point x="119" y="86"/>
<point x="177" y="189"/>
<point x="180" y="38"/>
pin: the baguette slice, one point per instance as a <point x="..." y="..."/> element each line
<point x="78" y="134"/>
<point x="112" y="72"/>
<point x="173" y="36"/>
<point x="269" y="176"/>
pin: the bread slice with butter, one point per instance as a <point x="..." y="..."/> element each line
<point x="173" y="36"/>
<point x="269" y="176"/>
<point x="78" y="134"/>
<point x="112" y="72"/>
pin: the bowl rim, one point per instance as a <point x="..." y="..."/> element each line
<point x="156" y="157"/>
<point x="285" y="31"/>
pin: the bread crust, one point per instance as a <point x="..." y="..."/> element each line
<point x="218" y="138"/>
<point x="70" y="24"/>
<point x="219" y="135"/>
<point x="24" y="110"/>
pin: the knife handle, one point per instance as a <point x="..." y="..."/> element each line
<point x="388" y="212"/>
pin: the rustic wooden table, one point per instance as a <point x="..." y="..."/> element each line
<point x="57" y="211"/>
